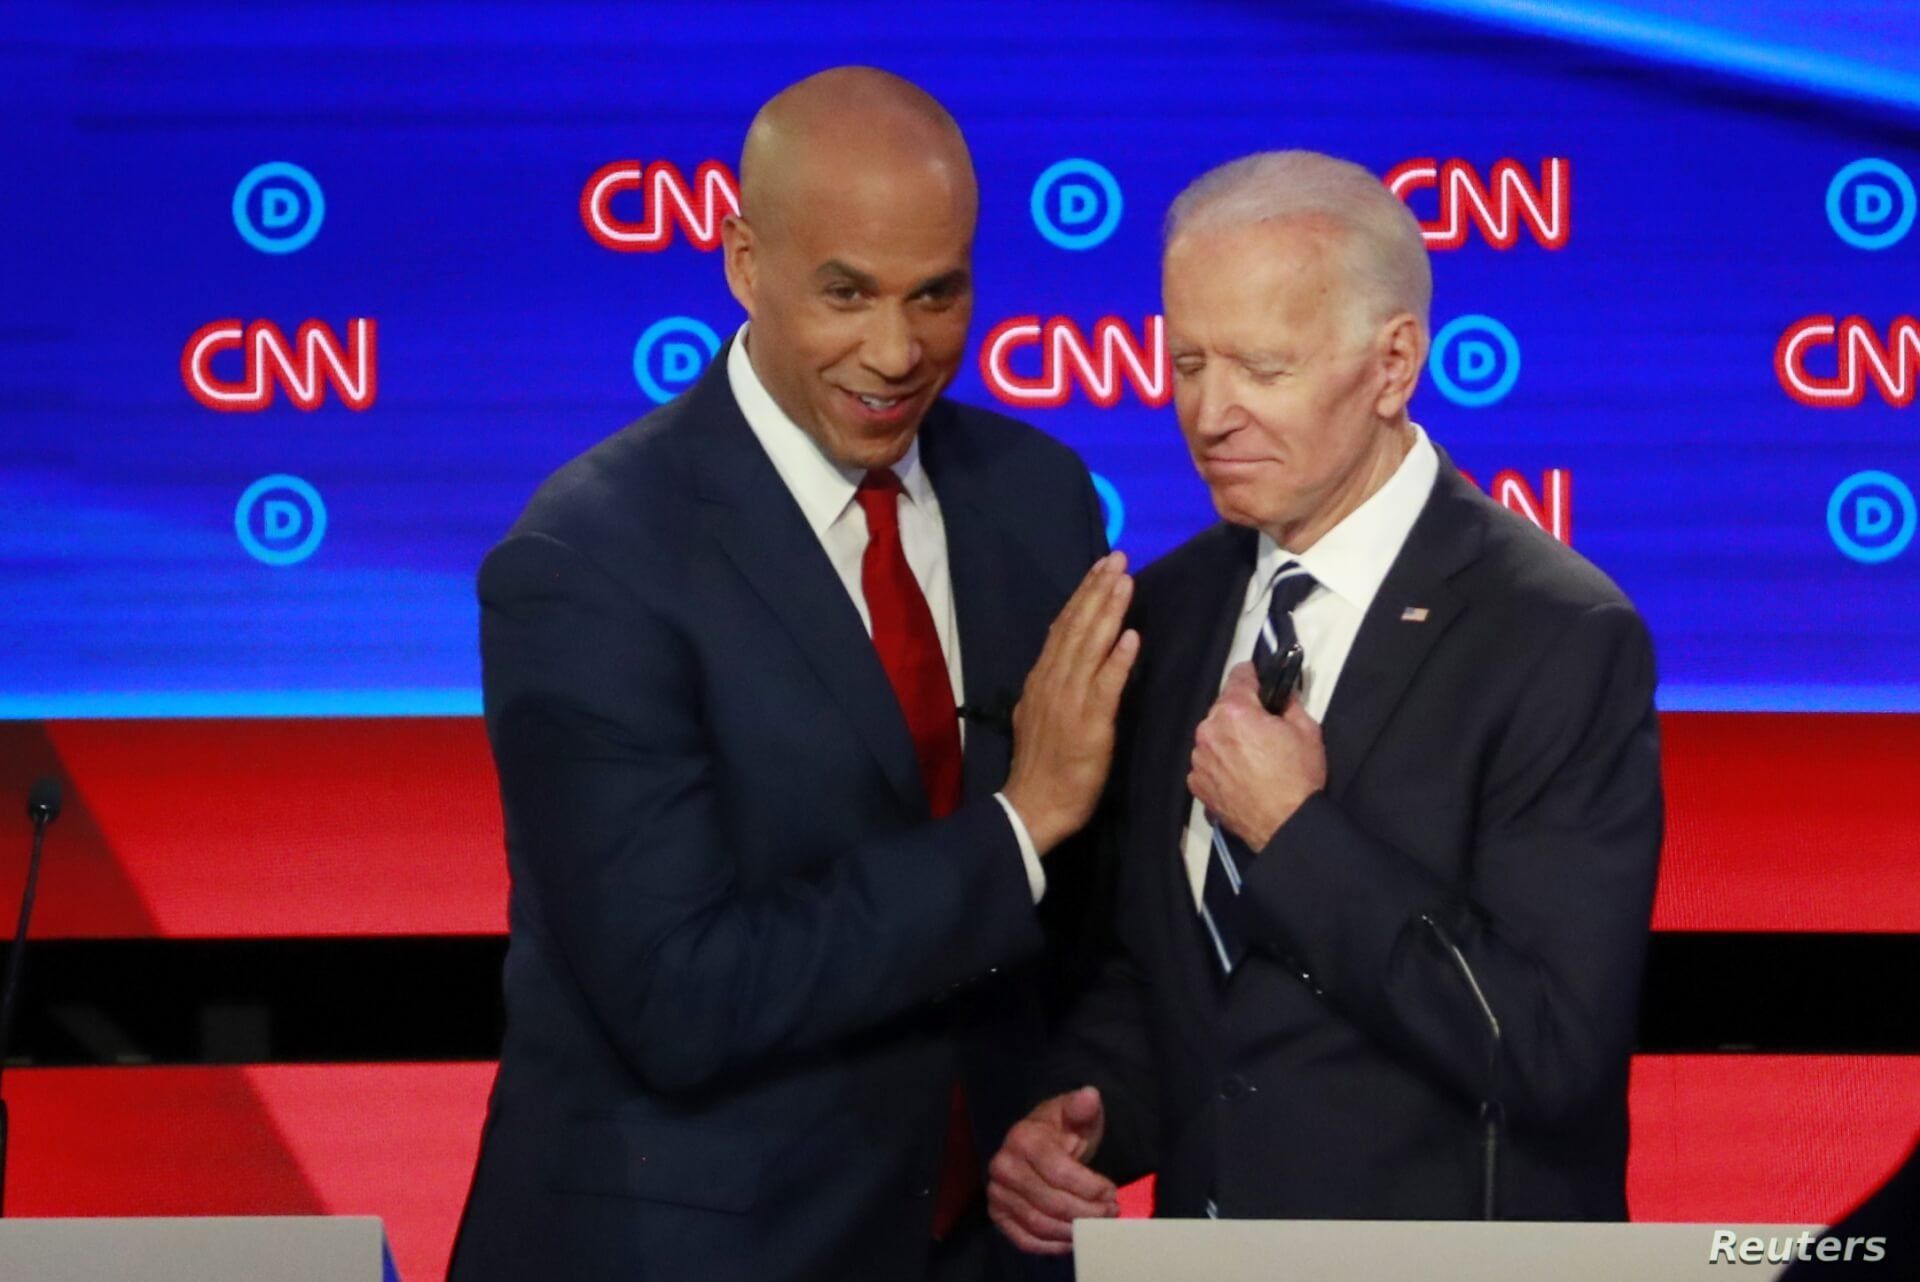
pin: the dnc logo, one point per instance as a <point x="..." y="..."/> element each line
<point x="1871" y="517"/>
<point x="278" y="208"/>
<point x="671" y="354"/>
<point x="1475" y="361"/>
<point x="1076" y="204"/>
<point x="667" y="201"/>
<point x="280" y="520"/>
<point x="1871" y="204"/>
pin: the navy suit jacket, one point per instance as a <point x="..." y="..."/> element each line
<point x="745" y="966"/>
<point x="1493" y="778"/>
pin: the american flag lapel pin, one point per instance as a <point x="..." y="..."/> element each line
<point x="1414" y="614"/>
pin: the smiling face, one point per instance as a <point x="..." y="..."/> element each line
<point x="1293" y="413"/>
<point x="858" y="292"/>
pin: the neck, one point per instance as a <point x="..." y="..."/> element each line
<point x="1390" y="448"/>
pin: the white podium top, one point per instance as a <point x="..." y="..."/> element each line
<point x="263" y="1248"/>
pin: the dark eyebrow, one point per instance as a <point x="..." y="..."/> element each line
<point x="946" y="282"/>
<point x="852" y="275"/>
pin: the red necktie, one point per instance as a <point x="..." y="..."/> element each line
<point x="909" y="649"/>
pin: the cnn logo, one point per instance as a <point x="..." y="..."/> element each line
<point x="1499" y="206"/>
<point x="315" y="360"/>
<point x="667" y="203"/>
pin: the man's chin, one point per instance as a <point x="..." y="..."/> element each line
<point x="869" y="453"/>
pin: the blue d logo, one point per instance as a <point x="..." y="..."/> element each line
<point x="1076" y="204"/>
<point x="671" y="354"/>
<point x="1475" y="361"/>
<point x="1871" y="517"/>
<point x="1871" y="204"/>
<point x="1115" y="509"/>
<point x="280" y="519"/>
<point x="278" y="208"/>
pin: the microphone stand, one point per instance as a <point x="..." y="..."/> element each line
<point x="1492" y="1114"/>
<point x="43" y="806"/>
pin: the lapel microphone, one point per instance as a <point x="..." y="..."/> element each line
<point x="995" y="710"/>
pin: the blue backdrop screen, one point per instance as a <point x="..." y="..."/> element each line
<point x="304" y="301"/>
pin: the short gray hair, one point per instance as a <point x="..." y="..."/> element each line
<point x="1386" y="257"/>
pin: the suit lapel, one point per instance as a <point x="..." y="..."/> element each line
<point x="1390" y="646"/>
<point x="985" y="566"/>
<point x="1193" y="637"/>
<point x="754" y="518"/>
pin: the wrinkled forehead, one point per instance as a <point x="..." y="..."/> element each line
<point x="1280" y="273"/>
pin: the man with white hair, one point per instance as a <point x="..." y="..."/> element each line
<point x="1378" y="951"/>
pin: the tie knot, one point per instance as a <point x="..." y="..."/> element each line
<point x="1290" y="587"/>
<point x="879" y="497"/>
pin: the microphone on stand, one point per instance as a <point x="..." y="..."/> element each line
<point x="1491" y="1111"/>
<point x="43" y="807"/>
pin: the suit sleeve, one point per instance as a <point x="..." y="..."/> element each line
<point x="1554" y="922"/>
<point x="619" y="835"/>
<point x="1104" y="1040"/>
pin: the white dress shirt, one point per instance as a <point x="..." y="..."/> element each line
<point x="825" y="492"/>
<point x="1348" y="565"/>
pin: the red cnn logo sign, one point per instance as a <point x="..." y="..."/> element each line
<point x="1067" y="356"/>
<point x="1860" y="358"/>
<point x="316" y="357"/>
<point x="668" y="200"/>
<point x="1498" y="208"/>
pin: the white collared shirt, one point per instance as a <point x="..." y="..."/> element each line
<point x="825" y="492"/>
<point x="1348" y="564"/>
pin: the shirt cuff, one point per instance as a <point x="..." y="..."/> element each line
<point x="1036" y="878"/>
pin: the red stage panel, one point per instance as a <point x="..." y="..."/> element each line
<point x="263" y="828"/>
<point x="397" y="1141"/>
<point x="1716" y="1139"/>
<point x="327" y="827"/>
<point x="1778" y="822"/>
<point x="1777" y="1139"/>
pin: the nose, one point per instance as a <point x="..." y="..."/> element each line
<point x="891" y="349"/>
<point x="1213" y="411"/>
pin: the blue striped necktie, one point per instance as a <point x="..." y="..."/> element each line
<point x="1219" y="897"/>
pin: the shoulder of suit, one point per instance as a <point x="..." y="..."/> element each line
<point x="1528" y="567"/>
<point x="632" y="471"/>
<point x="1202" y="558"/>
<point x="1003" y="445"/>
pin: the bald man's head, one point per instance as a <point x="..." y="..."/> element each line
<point x="839" y="123"/>
<point x="851" y="255"/>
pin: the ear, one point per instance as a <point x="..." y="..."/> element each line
<point x="1400" y="347"/>
<point x="738" y="245"/>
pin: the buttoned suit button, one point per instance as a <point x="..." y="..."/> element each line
<point x="1232" y="1086"/>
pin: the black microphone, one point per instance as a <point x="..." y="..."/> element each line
<point x="1491" y="1111"/>
<point x="995" y="710"/>
<point x="43" y="807"/>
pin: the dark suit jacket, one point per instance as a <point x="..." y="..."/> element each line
<point x="745" y="966"/>
<point x="1493" y="768"/>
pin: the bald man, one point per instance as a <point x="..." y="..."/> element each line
<point x="779" y="852"/>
